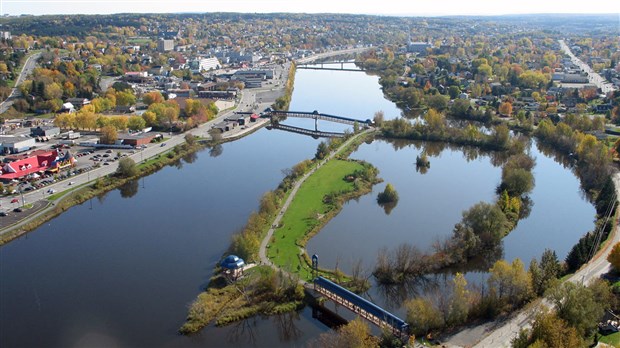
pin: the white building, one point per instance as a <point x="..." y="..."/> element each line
<point x="204" y="64"/>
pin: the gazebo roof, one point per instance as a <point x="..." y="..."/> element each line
<point x="232" y="262"/>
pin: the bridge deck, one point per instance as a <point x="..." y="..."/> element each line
<point x="361" y="306"/>
<point x="320" y="116"/>
<point x="310" y="132"/>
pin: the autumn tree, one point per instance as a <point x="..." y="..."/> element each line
<point x="152" y="97"/>
<point x="460" y="301"/>
<point x="505" y="109"/>
<point x="119" y="122"/>
<point x="423" y="316"/>
<point x="65" y="121"/>
<point x="548" y="330"/>
<point x="614" y="257"/>
<point x="355" y="334"/>
<point x="136" y="123"/>
<point x="109" y="134"/>
<point x="510" y="283"/>
<point x="150" y="118"/>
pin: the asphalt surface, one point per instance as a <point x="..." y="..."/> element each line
<point x="593" y="77"/>
<point x="28" y="67"/>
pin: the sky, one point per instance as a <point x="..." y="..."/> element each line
<point x="377" y="7"/>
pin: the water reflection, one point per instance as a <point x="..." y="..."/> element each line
<point x="216" y="151"/>
<point x="388" y="206"/>
<point x="129" y="189"/>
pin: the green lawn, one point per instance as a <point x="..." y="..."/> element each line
<point x="301" y="216"/>
<point x="613" y="339"/>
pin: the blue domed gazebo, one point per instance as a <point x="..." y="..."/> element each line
<point x="232" y="266"/>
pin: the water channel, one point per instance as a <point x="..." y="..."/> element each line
<point x="120" y="270"/>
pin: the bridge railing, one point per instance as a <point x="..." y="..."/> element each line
<point x="361" y="306"/>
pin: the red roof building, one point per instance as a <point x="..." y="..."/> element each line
<point x="39" y="162"/>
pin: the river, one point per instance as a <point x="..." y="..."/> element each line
<point x="120" y="270"/>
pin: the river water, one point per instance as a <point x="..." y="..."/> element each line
<point x="120" y="270"/>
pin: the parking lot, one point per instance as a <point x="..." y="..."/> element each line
<point x="86" y="160"/>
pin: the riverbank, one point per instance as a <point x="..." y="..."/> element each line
<point x="317" y="194"/>
<point x="60" y="202"/>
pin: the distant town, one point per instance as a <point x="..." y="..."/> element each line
<point x="93" y="101"/>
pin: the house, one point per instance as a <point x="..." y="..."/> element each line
<point x="67" y="107"/>
<point x="78" y="103"/>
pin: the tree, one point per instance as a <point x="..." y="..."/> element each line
<point x="389" y="195"/>
<point x="119" y="122"/>
<point x="460" y="108"/>
<point x="150" y="119"/>
<point x="548" y="330"/>
<point x="378" y="118"/>
<point x="190" y="139"/>
<point x="460" y="301"/>
<point x="108" y="134"/>
<point x="454" y="92"/>
<point x="437" y="102"/>
<point x="322" y="150"/>
<point x="136" y="123"/>
<point x="125" y="98"/>
<point x="423" y="316"/>
<point x="510" y="282"/>
<point x="614" y="257"/>
<point x="581" y="307"/>
<point x="127" y="168"/>
<point x="355" y="334"/>
<point x="152" y="97"/>
<point x="505" y="109"/>
<point x="487" y="222"/>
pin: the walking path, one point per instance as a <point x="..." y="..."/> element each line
<point x="263" y="245"/>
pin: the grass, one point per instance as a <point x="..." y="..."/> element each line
<point x="303" y="214"/>
<point x="225" y="303"/>
<point x="612" y="339"/>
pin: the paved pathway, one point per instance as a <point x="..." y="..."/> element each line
<point x="263" y="245"/>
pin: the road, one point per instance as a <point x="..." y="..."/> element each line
<point x="500" y="334"/>
<point x="27" y="69"/>
<point x="247" y="102"/>
<point x="593" y="77"/>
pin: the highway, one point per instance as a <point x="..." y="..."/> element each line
<point x="593" y="77"/>
<point x="28" y="67"/>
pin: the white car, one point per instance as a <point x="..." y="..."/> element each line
<point x="50" y="191"/>
<point x="71" y="183"/>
